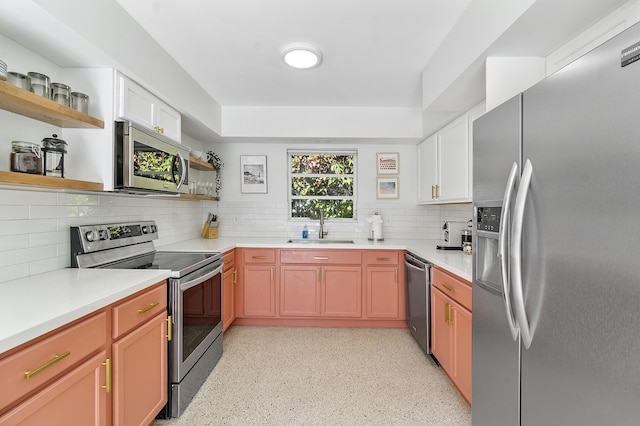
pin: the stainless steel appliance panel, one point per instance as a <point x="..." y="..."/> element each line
<point x="580" y="275"/>
<point x="496" y="351"/>
<point x="418" y="297"/>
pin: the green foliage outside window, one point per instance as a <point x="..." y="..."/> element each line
<point x="322" y="182"/>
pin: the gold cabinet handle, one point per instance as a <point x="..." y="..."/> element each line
<point x="107" y="375"/>
<point x="437" y="191"/>
<point x="162" y="130"/>
<point x="169" y="328"/>
<point x="320" y="258"/>
<point x="235" y="277"/>
<point x="446" y="312"/>
<point x="396" y="275"/>
<point x="322" y="274"/>
<point x="318" y="275"/>
<point x="450" y="315"/>
<point x="56" y="359"/>
<point x="271" y="269"/>
<point x="448" y="287"/>
<point x="258" y="257"/>
<point x="433" y="188"/>
<point x="148" y="308"/>
<point x="383" y="259"/>
<point x="228" y="261"/>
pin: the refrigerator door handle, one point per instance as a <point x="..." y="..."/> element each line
<point x="502" y="250"/>
<point x="516" y="253"/>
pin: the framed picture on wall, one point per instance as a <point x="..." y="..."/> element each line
<point x="387" y="188"/>
<point x="253" y="171"/>
<point x="388" y="163"/>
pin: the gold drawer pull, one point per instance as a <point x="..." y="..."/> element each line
<point x="148" y="308"/>
<point x="386" y="259"/>
<point x="107" y="374"/>
<point x="320" y="258"/>
<point x="258" y="257"/>
<point x="448" y="287"/>
<point x="228" y="261"/>
<point x="56" y="358"/>
<point x="235" y="277"/>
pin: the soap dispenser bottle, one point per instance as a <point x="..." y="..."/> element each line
<point x="305" y="232"/>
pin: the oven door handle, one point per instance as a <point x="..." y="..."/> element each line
<point x="203" y="275"/>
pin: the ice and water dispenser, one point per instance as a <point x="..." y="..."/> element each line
<point x="487" y="263"/>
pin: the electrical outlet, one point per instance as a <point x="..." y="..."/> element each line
<point x="387" y="221"/>
<point x="236" y="219"/>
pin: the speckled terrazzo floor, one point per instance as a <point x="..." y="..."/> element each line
<point x="324" y="376"/>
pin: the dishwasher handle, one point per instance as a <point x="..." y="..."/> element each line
<point x="416" y="262"/>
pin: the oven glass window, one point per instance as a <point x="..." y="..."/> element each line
<point x="202" y="311"/>
<point x="152" y="163"/>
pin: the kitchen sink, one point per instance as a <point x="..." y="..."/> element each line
<point x="318" y="241"/>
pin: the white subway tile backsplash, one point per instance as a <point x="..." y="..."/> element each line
<point x="14" y="212"/>
<point x="34" y="236"/>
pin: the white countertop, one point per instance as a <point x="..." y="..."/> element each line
<point x="454" y="261"/>
<point x="33" y="306"/>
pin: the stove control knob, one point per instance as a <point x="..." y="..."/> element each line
<point x="154" y="229"/>
<point x="145" y="229"/>
<point x="90" y="236"/>
<point x="103" y="234"/>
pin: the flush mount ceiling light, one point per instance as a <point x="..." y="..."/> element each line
<point x="301" y="56"/>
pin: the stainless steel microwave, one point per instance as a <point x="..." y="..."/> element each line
<point x="146" y="162"/>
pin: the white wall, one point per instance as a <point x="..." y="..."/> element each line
<point x="267" y="214"/>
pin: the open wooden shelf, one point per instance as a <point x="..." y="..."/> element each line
<point x="14" y="178"/>
<point x="34" y="106"/>
<point x="197" y="164"/>
<point x="199" y="197"/>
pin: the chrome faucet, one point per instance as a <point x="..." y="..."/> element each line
<point x="321" y="231"/>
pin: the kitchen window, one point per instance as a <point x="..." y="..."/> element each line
<point x="322" y="180"/>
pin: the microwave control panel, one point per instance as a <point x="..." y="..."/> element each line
<point x="489" y="219"/>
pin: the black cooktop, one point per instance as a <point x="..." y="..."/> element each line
<point x="179" y="262"/>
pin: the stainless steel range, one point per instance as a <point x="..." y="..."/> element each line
<point x="194" y="299"/>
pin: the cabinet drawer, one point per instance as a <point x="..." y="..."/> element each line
<point x="382" y="257"/>
<point x="259" y="255"/>
<point x="453" y="286"/>
<point x="129" y="314"/>
<point x="229" y="260"/>
<point x="49" y="357"/>
<point x="333" y="257"/>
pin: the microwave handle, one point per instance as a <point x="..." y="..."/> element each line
<point x="183" y="175"/>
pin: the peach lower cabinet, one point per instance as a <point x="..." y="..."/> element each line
<point x="451" y="327"/>
<point x="319" y="287"/>
<point x="109" y="367"/>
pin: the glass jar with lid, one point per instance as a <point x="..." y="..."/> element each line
<point x="26" y="157"/>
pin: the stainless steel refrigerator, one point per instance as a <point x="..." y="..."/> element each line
<point x="556" y="275"/>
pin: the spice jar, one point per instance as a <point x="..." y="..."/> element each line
<point x="26" y="158"/>
<point x="54" y="150"/>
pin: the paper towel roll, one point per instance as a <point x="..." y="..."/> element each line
<point x="376" y="226"/>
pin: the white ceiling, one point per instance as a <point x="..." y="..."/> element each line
<point x="373" y="50"/>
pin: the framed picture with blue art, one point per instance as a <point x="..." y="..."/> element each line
<point x="387" y="188"/>
<point x="253" y="170"/>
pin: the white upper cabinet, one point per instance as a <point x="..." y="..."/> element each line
<point x="445" y="160"/>
<point x="427" y="169"/>
<point x="453" y="162"/>
<point x="137" y="104"/>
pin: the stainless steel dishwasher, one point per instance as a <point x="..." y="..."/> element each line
<point x="418" y="278"/>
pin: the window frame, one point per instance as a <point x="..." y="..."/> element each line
<point x="354" y="176"/>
